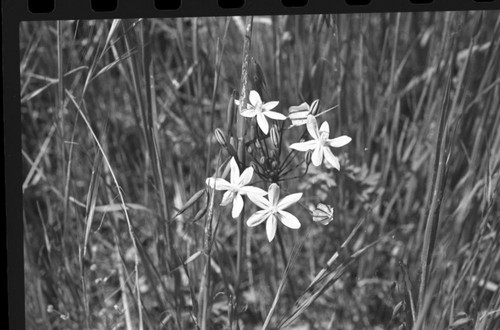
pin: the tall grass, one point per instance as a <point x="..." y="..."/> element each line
<point x="120" y="230"/>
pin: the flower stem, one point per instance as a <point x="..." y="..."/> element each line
<point x="287" y="161"/>
<point x="241" y="155"/>
<point x="285" y="263"/>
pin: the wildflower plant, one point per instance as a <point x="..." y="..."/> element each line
<point x="274" y="164"/>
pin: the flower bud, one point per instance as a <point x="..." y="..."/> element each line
<point x="275" y="136"/>
<point x="220" y="137"/>
<point x="314" y="107"/>
<point x="262" y="160"/>
<point x="257" y="144"/>
<point x="308" y="157"/>
<point x="250" y="149"/>
<point x="252" y="132"/>
<point x="274" y="164"/>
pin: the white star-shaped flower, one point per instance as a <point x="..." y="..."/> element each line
<point x="321" y="143"/>
<point x="236" y="188"/>
<point x="273" y="210"/>
<point x="255" y="108"/>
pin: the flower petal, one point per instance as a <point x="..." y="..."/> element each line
<point x="287" y="201"/>
<point x="324" y="129"/>
<point x="297" y="120"/>
<point x="249" y="113"/>
<point x="332" y="159"/>
<point x="274" y="115"/>
<point x="271" y="226"/>
<point x="317" y="156"/>
<point x="339" y="142"/>
<point x="246" y="176"/>
<point x="257" y="218"/>
<point x="218" y="183"/>
<point x="235" y="171"/>
<point x="227" y="198"/>
<point x="304" y="146"/>
<point x="250" y="190"/>
<point x="254" y="98"/>
<point x="298" y="114"/>
<point x="260" y="201"/>
<point x="301" y="108"/>
<point x="237" y="206"/>
<point x="289" y="220"/>
<point x="263" y="124"/>
<point x="312" y="127"/>
<point x="268" y="106"/>
<point x="274" y="194"/>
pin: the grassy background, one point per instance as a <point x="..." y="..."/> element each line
<point x="419" y="94"/>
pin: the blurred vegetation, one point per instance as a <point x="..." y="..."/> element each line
<point x="410" y="89"/>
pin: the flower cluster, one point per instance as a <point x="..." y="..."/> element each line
<point x="268" y="164"/>
<point x="272" y="208"/>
